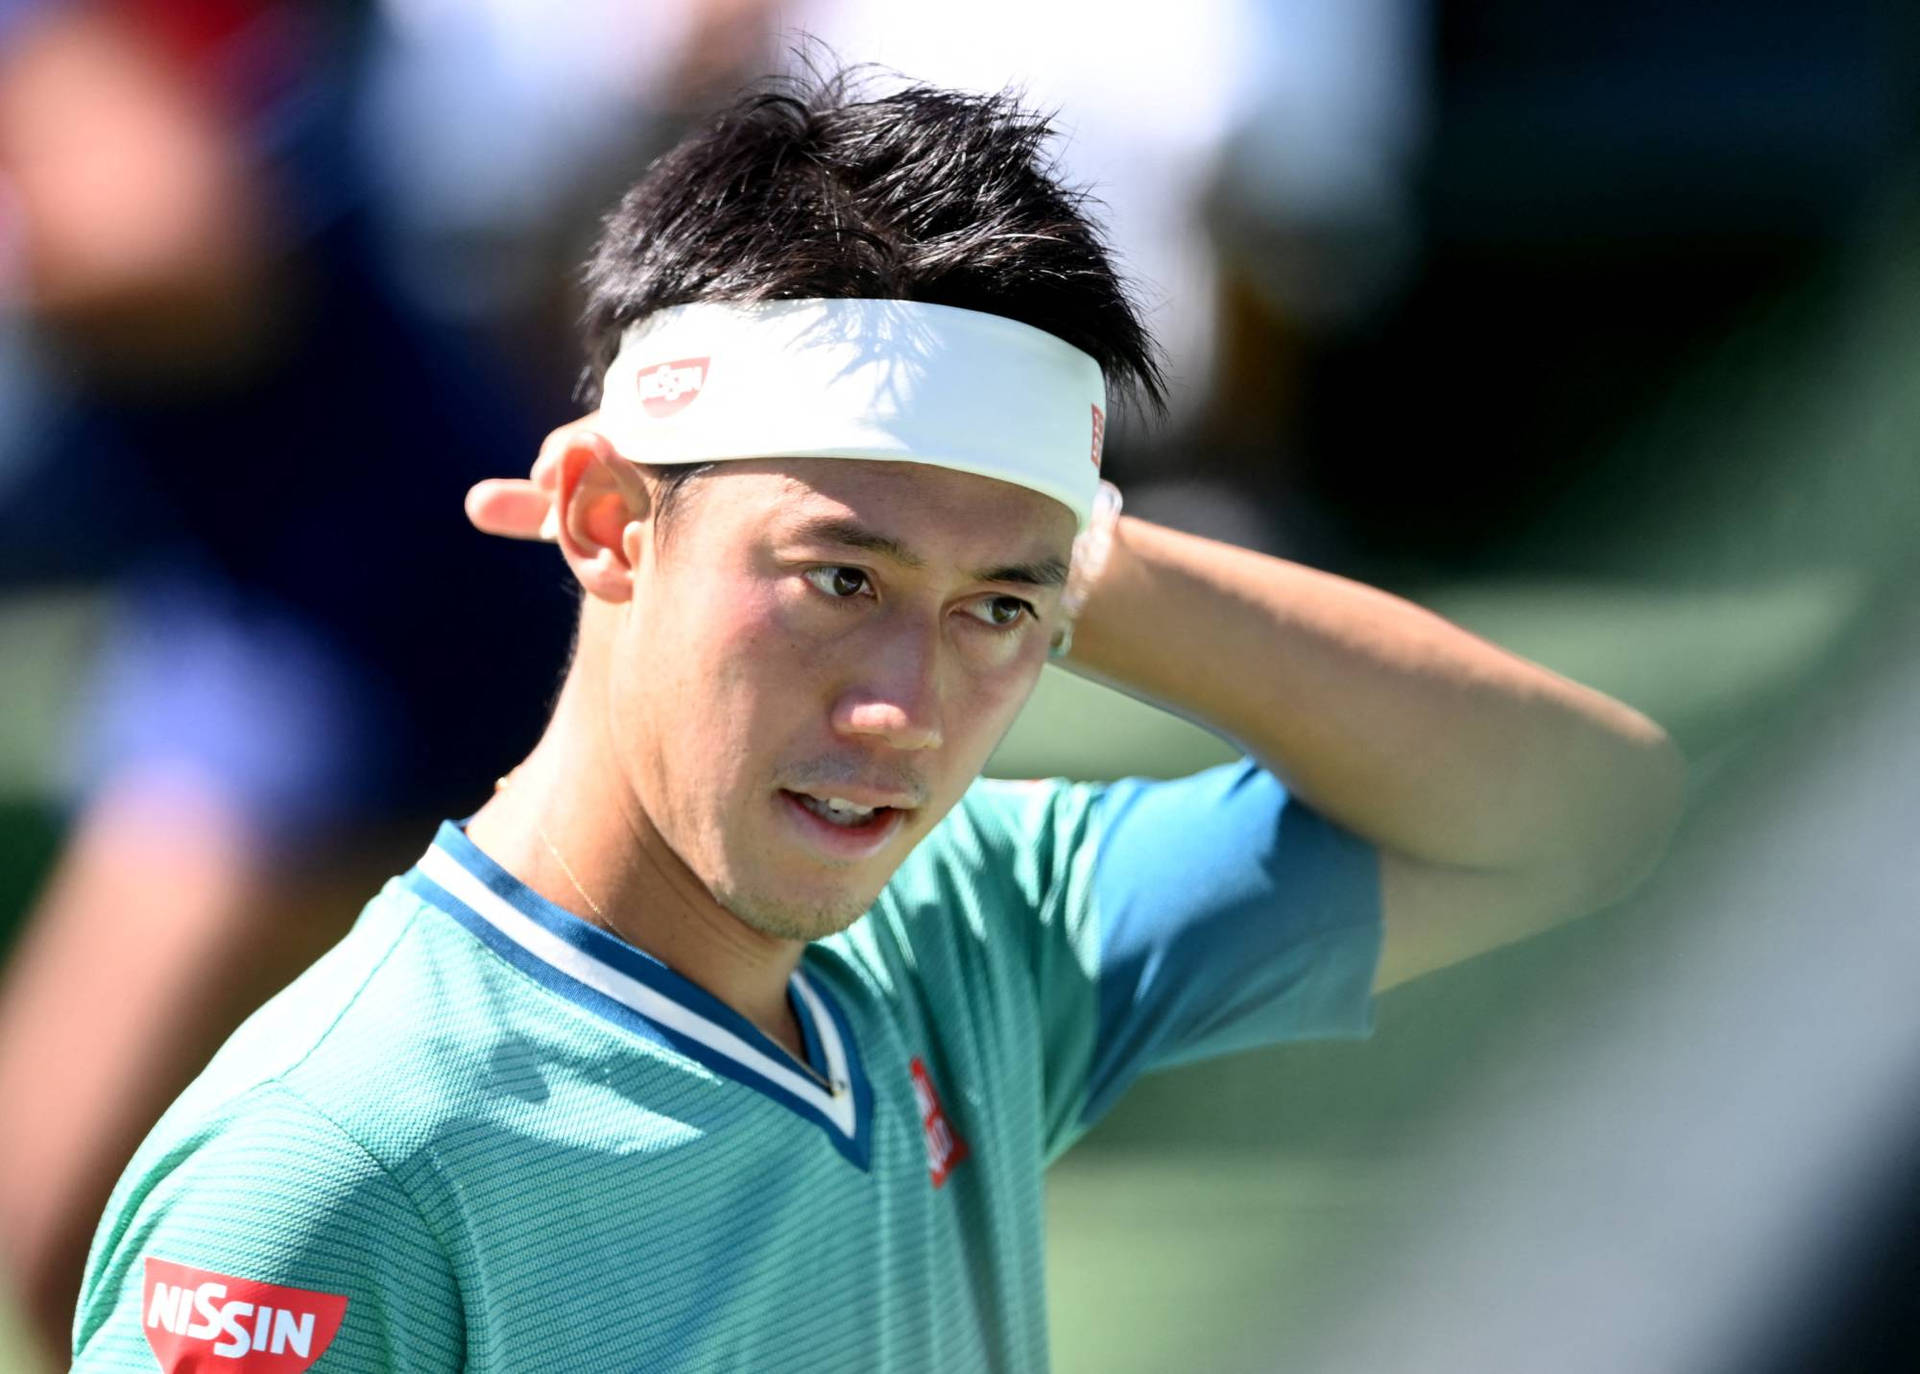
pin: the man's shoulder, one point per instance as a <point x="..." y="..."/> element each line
<point x="345" y="1020"/>
<point x="264" y="1201"/>
<point x="247" y="1179"/>
<point x="427" y="1048"/>
<point x="406" y="1056"/>
<point x="391" y="1034"/>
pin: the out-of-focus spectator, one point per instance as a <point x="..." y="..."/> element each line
<point x="263" y="262"/>
<point x="494" y="130"/>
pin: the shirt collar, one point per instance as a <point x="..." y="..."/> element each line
<point x="631" y="988"/>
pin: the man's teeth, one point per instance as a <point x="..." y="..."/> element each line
<point x="837" y="809"/>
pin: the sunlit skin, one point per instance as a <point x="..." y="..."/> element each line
<point x="832" y="628"/>
<point x="769" y="653"/>
<point x="730" y="660"/>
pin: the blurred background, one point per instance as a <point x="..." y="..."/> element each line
<point x="1598" y="333"/>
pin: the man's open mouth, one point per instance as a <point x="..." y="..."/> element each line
<point x="848" y="815"/>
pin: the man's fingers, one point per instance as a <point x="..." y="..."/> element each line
<point x="522" y="507"/>
<point x="511" y="506"/>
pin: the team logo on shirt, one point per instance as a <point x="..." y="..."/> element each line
<point x="1099" y="435"/>
<point x="669" y="388"/>
<point x="945" y="1148"/>
<point x="198" y="1322"/>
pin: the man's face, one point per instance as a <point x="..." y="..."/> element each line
<point x="810" y="638"/>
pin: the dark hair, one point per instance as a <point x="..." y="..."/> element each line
<point x="800" y="190"/>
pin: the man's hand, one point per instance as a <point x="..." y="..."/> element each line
<point x="522" y="507"/>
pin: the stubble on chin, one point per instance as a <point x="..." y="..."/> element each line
<point x="788" y="917"/>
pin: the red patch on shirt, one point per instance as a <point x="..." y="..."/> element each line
<point x="945" y="1148"/>
<point x="668" y="388"/>
<point x="200" y="1322"/>
<point x="1099" y="435"/>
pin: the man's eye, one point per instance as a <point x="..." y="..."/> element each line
<point x="1001" y="612"/>
<point x="839" y="582"/>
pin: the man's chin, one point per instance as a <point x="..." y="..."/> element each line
<point x="788" y="918"/>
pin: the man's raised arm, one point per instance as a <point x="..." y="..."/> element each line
<point x="1501" y="796"/>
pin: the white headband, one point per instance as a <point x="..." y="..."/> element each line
<point x="883" y="379"/>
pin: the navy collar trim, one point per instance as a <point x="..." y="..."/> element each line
<point x="625" y="985"/>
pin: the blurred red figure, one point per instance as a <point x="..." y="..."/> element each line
<point x="147" y="923"/>
<point x="244" y="249"/>
<point x="233" y="366"/>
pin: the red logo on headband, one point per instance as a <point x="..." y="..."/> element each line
<point x="669" y="388"/>
<point x="1099" y="435"/>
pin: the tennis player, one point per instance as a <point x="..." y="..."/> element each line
<point x="735" y="1030"/>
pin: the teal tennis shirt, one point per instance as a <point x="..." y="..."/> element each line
<point x="482" y="1134"/>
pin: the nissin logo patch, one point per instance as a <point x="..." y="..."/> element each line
<point x="668" y="388"/>
<point x="200" y="1322"/>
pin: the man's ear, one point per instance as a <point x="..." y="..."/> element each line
<point x="597" y="496"/>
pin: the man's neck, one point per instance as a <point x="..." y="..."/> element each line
<point x="565" y="824"/>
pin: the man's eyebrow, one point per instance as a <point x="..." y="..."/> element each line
<point x="1047" y="572"/>
<point x="835" y="529"/>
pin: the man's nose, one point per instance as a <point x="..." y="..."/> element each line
<point x="894" y="695"/>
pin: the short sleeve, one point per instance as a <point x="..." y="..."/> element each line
<point x="1230" y="915"/>
<point x="1171" y="921"/>
<point x="271" y="1235"/>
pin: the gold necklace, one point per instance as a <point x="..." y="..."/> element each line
<point x="500" y="785"/>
